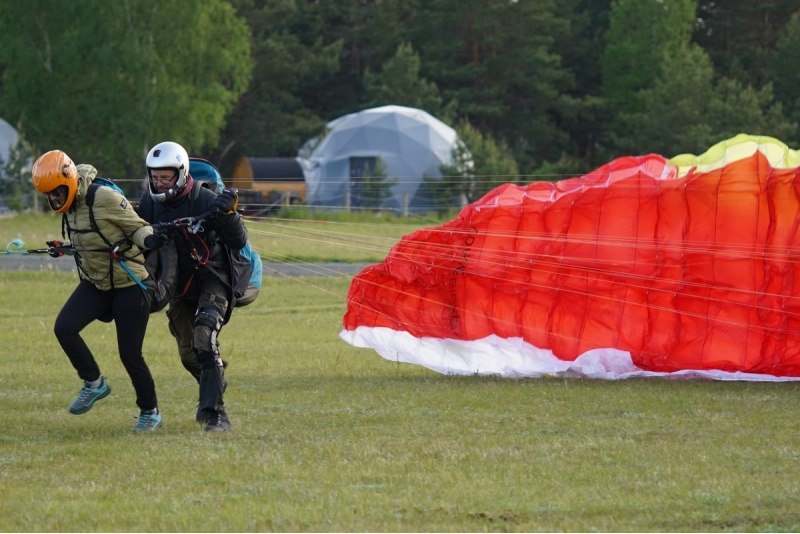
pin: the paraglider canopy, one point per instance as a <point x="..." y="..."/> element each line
<point x="647" y="266"/>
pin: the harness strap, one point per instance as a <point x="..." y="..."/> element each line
<point x="113" y="248"/>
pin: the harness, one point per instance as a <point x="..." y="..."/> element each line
<point x="200" y="249"/>
<point x="114" y="250"/>
<point x="190" y="229"/>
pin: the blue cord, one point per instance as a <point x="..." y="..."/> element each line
<point x="133" y="276"/>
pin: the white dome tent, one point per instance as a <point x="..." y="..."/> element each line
<point x="8" y="139"/>
<point x="409" y="144"/>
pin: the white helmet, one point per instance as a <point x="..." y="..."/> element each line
<point x="167" y="155"/>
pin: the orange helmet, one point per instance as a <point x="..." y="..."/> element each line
<point x="54" y="170"/>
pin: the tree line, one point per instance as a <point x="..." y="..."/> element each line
<point x="537" y="89"/>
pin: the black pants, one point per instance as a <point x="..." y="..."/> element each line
<point x="129" y="309"/>
<point x="198" y="345"/>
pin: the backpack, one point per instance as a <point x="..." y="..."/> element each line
<point x="206" y="173"/>
<point x="161" y="264"/>
<point x="241" y="272"/>
<point x="254" y="283"/>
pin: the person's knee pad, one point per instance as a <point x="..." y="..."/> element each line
<point x="207" y="359"/>
<point x="207" y="324"/>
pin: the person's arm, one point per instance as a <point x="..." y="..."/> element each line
<point x="226" y="221"/>
<point x="230" y="227"/>
<point x="116" y="209"/>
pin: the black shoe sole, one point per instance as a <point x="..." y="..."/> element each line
<point x="215" y="428"/>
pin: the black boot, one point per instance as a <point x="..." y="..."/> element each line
<point x="217" y="421"/>
<point x="211" y="408"/>
<point x="212" y="387"/>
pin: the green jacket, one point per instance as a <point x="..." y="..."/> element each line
<point x="116" y="220"/>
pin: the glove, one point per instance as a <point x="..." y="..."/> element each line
<point x="155" y="241"/>
<point x="227" y="201"/>
<point x="52" y="246"/>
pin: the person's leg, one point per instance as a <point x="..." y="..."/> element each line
<point x="181" y="325"/>
<point x="211" y="309"/>
<point x="131" y="315"/>
<point x="86" y="304"/>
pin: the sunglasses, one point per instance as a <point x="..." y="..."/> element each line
<point x="58" y="192"/>
<point x="163" y="178"/>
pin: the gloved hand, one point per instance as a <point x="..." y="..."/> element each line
<point x="227" y="201"/>
<point x="155" y="241"/>
<point x="52" y="245"/>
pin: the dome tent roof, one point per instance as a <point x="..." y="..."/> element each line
<point x="8" y="138"/>
<point x="409" y="143"/>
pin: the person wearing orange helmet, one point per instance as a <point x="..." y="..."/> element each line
<point x="110" y="288"/>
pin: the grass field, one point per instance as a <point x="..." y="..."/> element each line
<point x="327" y="437"/>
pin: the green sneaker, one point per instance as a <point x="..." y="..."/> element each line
<point x="148" y="421"/>
<point x="88" y="396"/>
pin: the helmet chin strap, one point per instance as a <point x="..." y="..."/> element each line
<point x="174" y="192"/>
<point x="167" y="195"/>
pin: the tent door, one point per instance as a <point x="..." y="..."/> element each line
<point x="360" y="167"/>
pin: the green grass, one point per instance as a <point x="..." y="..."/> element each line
<point x="332" y="438"/>
<point x="284" y="240"/>
<point x="33" y="229"/>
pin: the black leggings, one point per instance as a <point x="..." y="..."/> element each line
<point x="128" y="308"/>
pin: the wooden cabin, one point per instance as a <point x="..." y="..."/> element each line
<point x="267" y="184"/>
<point x="268" y="175"/>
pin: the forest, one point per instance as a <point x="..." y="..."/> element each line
<point x="536" y="89"/>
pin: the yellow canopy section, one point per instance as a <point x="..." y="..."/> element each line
<point x="738" y="148"/>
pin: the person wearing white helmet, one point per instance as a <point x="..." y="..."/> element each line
<point x="102" y="235"/>
<point x="210" y="274"/>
